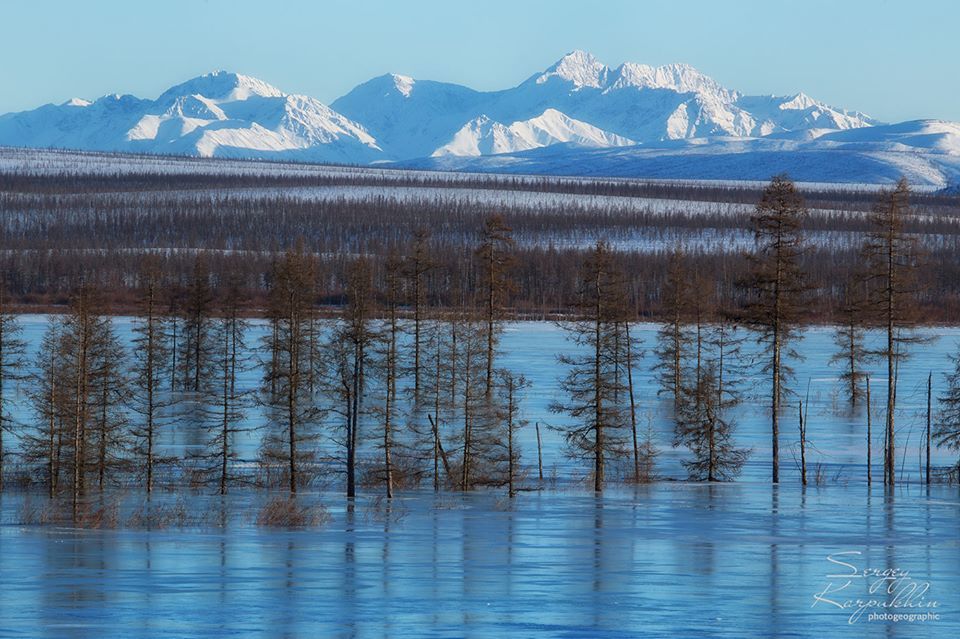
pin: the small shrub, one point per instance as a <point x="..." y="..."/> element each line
<point x="288" y="512"/>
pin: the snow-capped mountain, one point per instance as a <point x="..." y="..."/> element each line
<point x="411" y="118"/>
<point x="220" y="114"/>
<point x="926" y="152"/>
<point x="633" y="101"/>
<point x="576" y="116"/>
<point x="483" y="136"/>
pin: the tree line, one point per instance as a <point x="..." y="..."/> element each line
<point x="53" y="230"/>
<point x="411" y="388"/>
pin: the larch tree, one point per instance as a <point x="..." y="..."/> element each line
<point x="704" y="425"/>
<point x="47" y="391"/>
<point x="12" y="349"/>
<point x="436" y="401"/>
<point x="593" y="385"/>
<point x="197" y="327"/>
<point x="416" y="269"/>
<point x="355" y="342"/>
<point x="110" y="394"/>
<point x="512" y="387"/>
<point x="224" y="404"/>
<point x="472" y="404"/>
<point x="85" y="342"/>
<point x="946" y="430"/>
<point x="778" y="288"/>
<point x="286" y="381"/>
<point x="890" y="259"/>
<point x="173" y="298"/>
<point x="151" y="348"/>
<point x="495" y="261"/>
<point x="390" y="363"/>
<point x="851" y="354"/>
<point x="642" y="460"/>
<point x="673" y="337"/>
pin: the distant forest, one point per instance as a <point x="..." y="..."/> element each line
<point x="56" y="228"/>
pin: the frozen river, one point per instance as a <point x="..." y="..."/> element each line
<point x="669" y="559"/>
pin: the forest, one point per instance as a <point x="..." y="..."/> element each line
<point x="60" y="221"/>
<point x="383" y="322"/>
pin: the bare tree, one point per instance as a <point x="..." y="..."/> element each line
<point x="475" y="408"/>
<point x="495" y="285"/>
<point x="946" y="430"/>
<point x="390" y="364"/>
<point x="47" y="391"/>
<point x="592" y="384"/>
<point x="851" y="350"/>
<point x="705" y="427"/>
<point x="110" y="393"/>
<point x="286" y="388"/>
<point x="223" y="403"/>
<point x="151" y="349"/>
<point x="357" y="339"/>
<point x="639" y="448"/>
<point x="418" y="265"/>
<point x="673" y="337"/>
<point x="778" y="287"/>
<point x="891" y="258"/>
<point x="12" y="349"/>
<point x="197" y="326"/>
<point x="86" y="342"/>
<point x="435" y="390"/>
<point x="512" y="387"/>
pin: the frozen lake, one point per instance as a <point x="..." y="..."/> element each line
<point x="668" y="559"/>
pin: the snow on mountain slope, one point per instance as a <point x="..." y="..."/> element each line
<point x="576" y="116"/>
<point x="97" y="126"/>
<point x="483" y="136"/>
<point x="676" y="101"/>
<point x="222" y="86"/>
<point x="919" y="151"/>
<point x="936" y="136"/>
<point x="681" y="78"/>
<point x="410" y="118"/>
<point x="218" y="114"/>
<point x="578" y="68"/>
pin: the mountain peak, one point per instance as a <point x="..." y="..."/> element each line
<point x="403" y="83"/>
<point x="679" y="77"/>
<point x="222" y="85"/>
<point x="77" y="102"/>
<point x="800" y="101"/>
<point x="579" y="68"/>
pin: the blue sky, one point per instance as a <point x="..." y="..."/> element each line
<point x="893" y="59"/>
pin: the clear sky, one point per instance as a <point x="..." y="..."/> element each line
<point x="893" y="59"/>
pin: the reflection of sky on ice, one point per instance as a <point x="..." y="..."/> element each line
<point x="671" y="559"/>
<point x="668" y="559"/>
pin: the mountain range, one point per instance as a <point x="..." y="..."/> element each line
<point x="579" y="116"/>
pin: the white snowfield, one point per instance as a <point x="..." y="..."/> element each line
<point x="483" y="136"/>
<point x="90" y="163"/>
<point x="578" y="117"/>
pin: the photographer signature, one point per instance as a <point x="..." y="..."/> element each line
<point x="887" y="589"/>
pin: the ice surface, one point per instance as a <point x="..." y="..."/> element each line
<point x="734" y="560"/>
